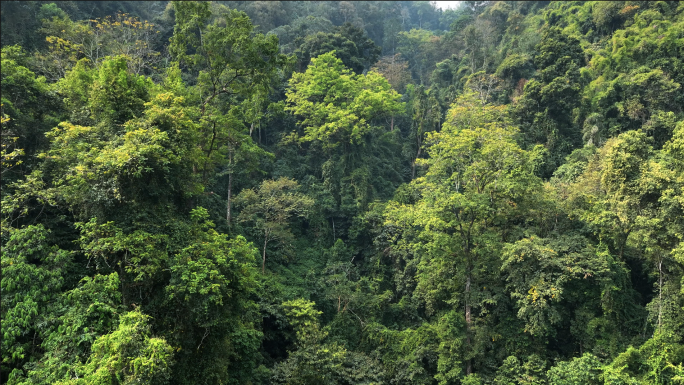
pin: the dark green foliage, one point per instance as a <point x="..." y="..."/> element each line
<point x="31" y="107"/>
<point x="539" y="272"/>
<point x="547" y="107"/>
<point x="349" y="42"/>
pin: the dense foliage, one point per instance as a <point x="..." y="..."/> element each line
<point x="342" y="193"/>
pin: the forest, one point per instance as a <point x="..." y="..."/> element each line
<point x="345" y="193"/>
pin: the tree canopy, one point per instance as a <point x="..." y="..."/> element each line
<point x="352" y="193"/>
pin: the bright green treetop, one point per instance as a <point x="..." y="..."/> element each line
<point x="337" y="106"/>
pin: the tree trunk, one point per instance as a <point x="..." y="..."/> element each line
<point x="230" y="186"/>
<point x="392" y="124"/>
<point x="469" y="363"/>
<point x="660" y="292"/>
<point x="263" y="261"/>
<point x="413" y="166"/>
<point x="123" y="286"/>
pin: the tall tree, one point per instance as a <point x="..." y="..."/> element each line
<point x="270" y="208"/>
<point x="231" y="65"/>
<point x="478" y="180"/>
<point x="234" y="68"/>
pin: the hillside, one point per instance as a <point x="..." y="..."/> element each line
<point x="339" y="192"/>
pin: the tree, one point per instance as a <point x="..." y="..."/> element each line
<point x="651" y="362"/>
<point x="235" y="69"/>
<point x="317" y="361"/>
<point x="32" y="277"/>
<point x="9" y="153"/>
<point x="321" y="42"/>
<point x="127" y="355"/>
<point x="232" y="66"/>
<point x="369" y="52"/>
<point x="270" y="208"/>
<point x="538" y="271"/>
<point x="19" y="23"/>
<point x="422" y="49"/>
<point x="474" y="171"/>
<point x="479" y="39"/>
<point x="486" y="86"/>
<point x="340" y="113"/>
<point x="337" y="106"/>
<point x="73" y="322"/>
<point x="625" y="196"/>
<point x="195" y="283"/>
<point x="546" y="110"/>
<point x="29" y="109"/>
<point x="208" y="299"/>
<point x="291" y="36"/>
<point x="427" y="115"/>
<point x="349" y="42"/>
<point x="112" y="97"/>
<point x="395" y="70"/>
<point x="268" y="15"/>
<point x="579" y="370"/>
<point x="514" y="68"/>
<point x="121" y="35"/>
<point x="515" y="372"/>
